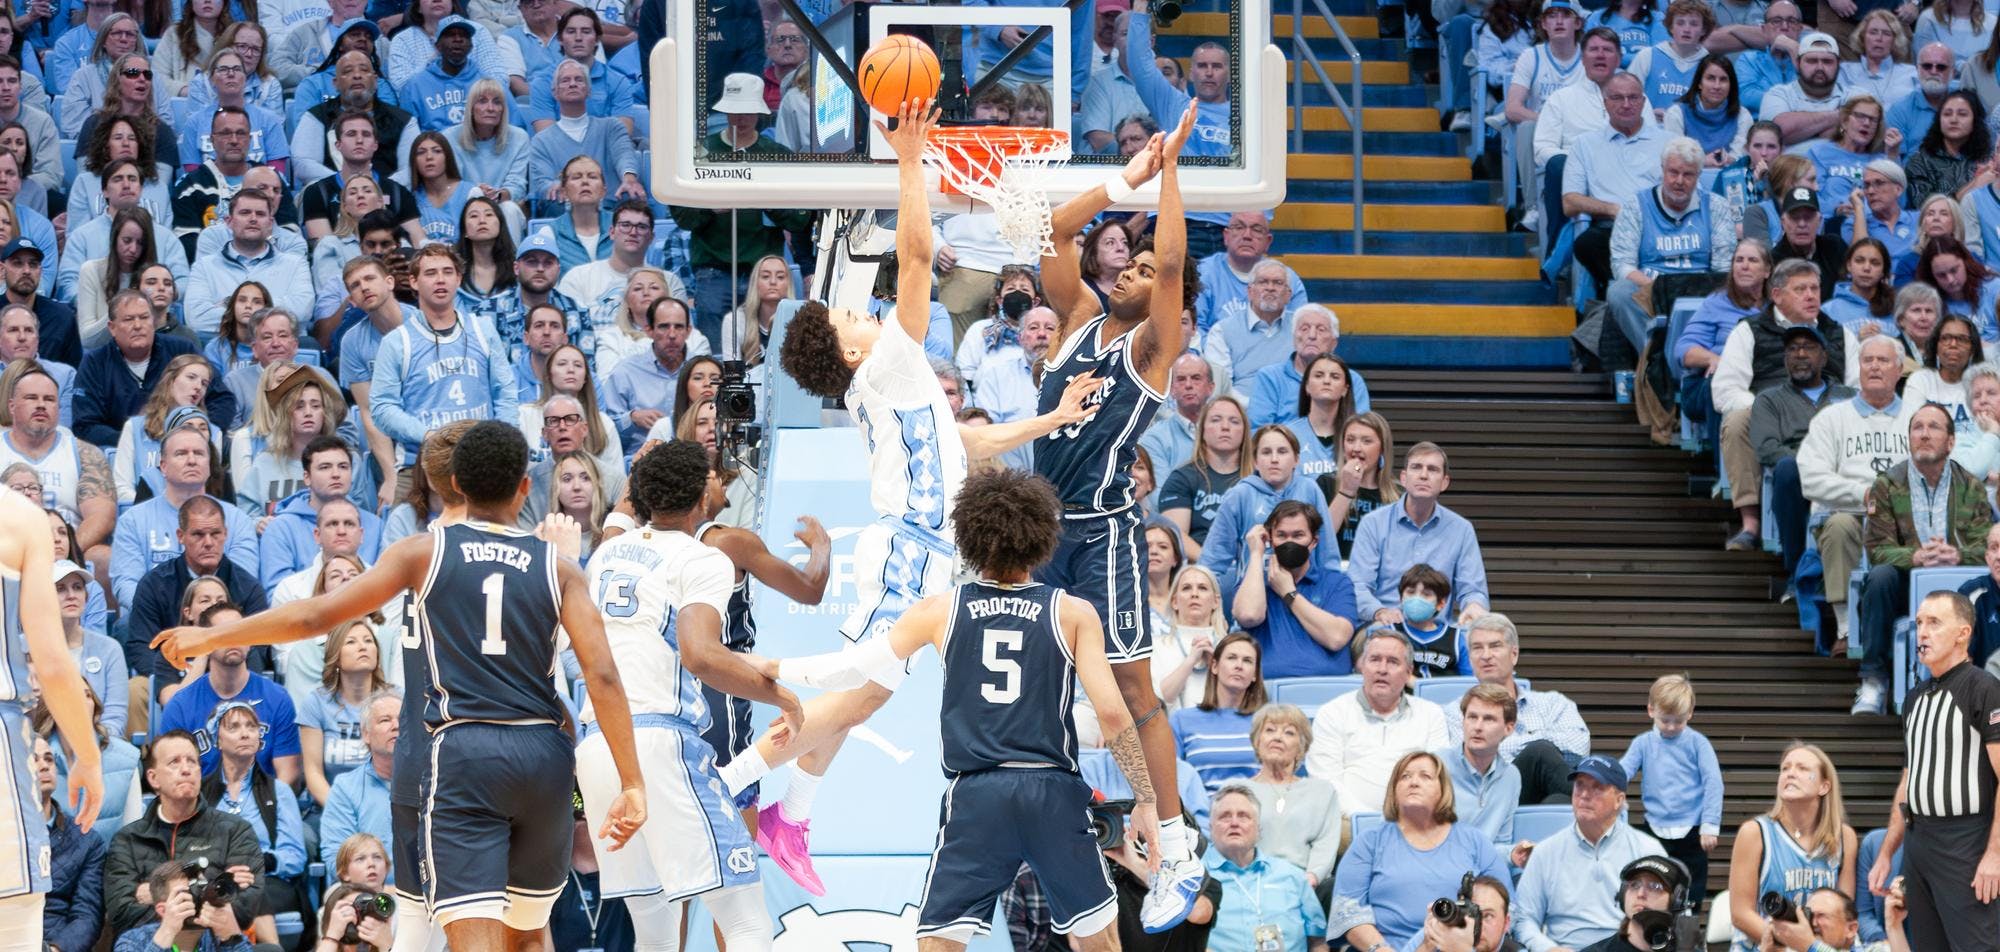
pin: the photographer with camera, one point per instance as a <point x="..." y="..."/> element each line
<point x="355" y="919"/>
<point x="1827" y="921"/>
<point x="1475" y="921"/>
<point x="1267" y="904"/>
<point x="1653" y="893"/>
<point x="194" y="915"/>
<point x="178" y="827"/>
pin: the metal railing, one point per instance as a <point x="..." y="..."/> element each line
<point x="1303" y="55"/>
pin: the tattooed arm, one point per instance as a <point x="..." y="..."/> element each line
<point x="96" y="500"/>
<point x="1086" y="637"/>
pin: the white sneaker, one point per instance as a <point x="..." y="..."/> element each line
<point x="1461" y="121"/>
<point x="1532" y="221"/>
<point x="1171" y="895"/>
<point x="1871" y="698"/>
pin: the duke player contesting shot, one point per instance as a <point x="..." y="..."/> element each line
<point x="29" y="625"/>
<point x="487" y="601"/>
<point x="1130" y="345"/>
<point x="1014" y="651"/>
<point x="664" y="595"/>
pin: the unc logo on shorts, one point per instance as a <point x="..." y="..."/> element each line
<point x="42" y="860"/>
<point x="741" y="861"/>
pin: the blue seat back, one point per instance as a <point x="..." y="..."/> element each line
<point x="1539" y="821"/>
<point x="1309" y="693"/>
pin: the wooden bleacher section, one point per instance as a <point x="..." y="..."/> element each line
<point x="1615" y="575"/>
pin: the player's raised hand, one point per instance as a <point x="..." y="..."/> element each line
<point x="626" y="816"/>
<point x="565" y="532"/>
<point x="1081" y="388"/>
<point x="1144" y="164"/>
<point x="814" y="537"/>
<point x="180" y="645"/>
<point x="913" y="126"/>
<point x="1176" y="140"/>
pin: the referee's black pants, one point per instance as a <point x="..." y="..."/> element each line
<point x="1939" y="858"/>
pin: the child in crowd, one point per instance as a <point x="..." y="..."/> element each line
<point x="1681" y="786"/>
<point x="1437" y="647"/>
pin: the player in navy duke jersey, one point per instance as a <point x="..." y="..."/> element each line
<point x="495" y="838"/>
<point x="29" y="625"/>
<point x="1131" y="345"/>
<point x="1013" y="651"/>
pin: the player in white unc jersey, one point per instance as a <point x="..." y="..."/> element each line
<point x="30" y="625"/>
<point x="917" y="460"/>
<point x="664" y="595"/>
<point x="1013" y="652"/>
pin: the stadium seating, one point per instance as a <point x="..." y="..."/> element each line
<point x="1309" y="693"/>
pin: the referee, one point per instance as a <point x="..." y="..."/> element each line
<point x="1951" y="739"/>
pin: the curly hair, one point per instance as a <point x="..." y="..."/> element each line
<point x="1006" y="521"/>
<point x="812" y="354"/>
<point x="668" y="479"/>
<point x="96" y="157"/>
<point x="489" y="462"/>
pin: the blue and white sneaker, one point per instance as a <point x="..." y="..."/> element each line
<point x="1172" y="894"/>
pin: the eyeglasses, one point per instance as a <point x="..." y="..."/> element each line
<point x="1785" y="21"/>
<point x="134" y="72"/>
<point x="1934" y="67"/>
<point x="1964" y="339"/>
<point x="788" y="41"/>
<point x="567" y="419"/>
<point x="1253" y="229"/>
<point x="1653" y="886"/>
<point x="633" y="226"/>
<point x="231" y="69"/>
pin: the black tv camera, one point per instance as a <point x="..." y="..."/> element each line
<point x="1107" y="822"/>
<point x="737" y="434"/>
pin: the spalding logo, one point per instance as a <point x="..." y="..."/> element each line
<point x="806" y="929"/>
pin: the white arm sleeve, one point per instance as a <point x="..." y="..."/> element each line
<point x="843" y="670"/>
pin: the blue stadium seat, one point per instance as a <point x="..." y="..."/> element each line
<point x="1445" y="691"/>
<point x="1677" y="322"/>
<point x="1310" y="693"/>
<point x="69" y="159"/>
<point x="1539" y="821"/>
<point x="1362" y="821"/>
<point x="1906" y="672"/>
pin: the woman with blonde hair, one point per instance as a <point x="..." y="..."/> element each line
<point x="566" y="372"/>
<point x="183" y="386"/>
<point x="331" y="716"/>
<point x="1419" y="850"/>
<point x="1301" y="815"/>
<point x="578" y="489"/>
<point x="1365" y="478"/>
<point x="359" y="196"/>
<point x="1941" y="216"/>
<point x="294" y="405"/>
<point x="1195" y="625"/>
<point x="1192" y="494"/>
<point x="490" y="149"/>
<point x="1857" y="138"/>
<point x="746" y="332"/>
<point x="1801" y="845"/>
<point x="1883" y="69"/>
<point x="618" y="329"/>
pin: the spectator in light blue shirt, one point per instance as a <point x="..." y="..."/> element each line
<point x="1258" y="892"/>
<point x="1225" y="275"/>
<point x="250" y="255"/>
<point x="1416" y="528"/>
<point x="444" y="367"/>
<point x="1273" y="393"/>
<point x="359" y="799"/>
<point x="1568" y="896"/>
<point x="1260" y="335"/>
<point x="640" y="390"/>
<point x="1680" y="780"/>
<point x="1170" y="440"/>
<point x="101" y="659"/>
<point x="1383" y="887"/>
<point x="1487" y="786"/>
<point x="1004" y="384"/>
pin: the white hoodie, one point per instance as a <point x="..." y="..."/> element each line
<point x="1849" y="444"/>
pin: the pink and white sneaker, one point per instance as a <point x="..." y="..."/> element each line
<point x="785" y="841"/>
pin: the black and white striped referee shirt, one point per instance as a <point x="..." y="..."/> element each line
<point x="1947" y="723"/>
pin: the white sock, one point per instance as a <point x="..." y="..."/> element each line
<point x="743" y="770"/>
<point x="798" y="803"/>
<point x="656" y="922"/>
<point x="1174" y="846"/>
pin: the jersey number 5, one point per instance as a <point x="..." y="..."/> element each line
<point x="1009" y="689"/>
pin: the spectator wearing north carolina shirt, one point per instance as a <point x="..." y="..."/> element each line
<point x="1258" y="336"/>
<point x="437" y="94"/>
<point x="1358" y="737"/>
<point x="148" y="532"/>
<point x="1808" y="106"/>
<point x="442" y="368"/>
<point x="1609" y="168"/>
<point x="1416" y="528"/>
<point x="230" y="82"/>
<point x="1673" y="231"/>
<point x="1225" y="275"/>
<point x="250" y="255"/>
<point x="1300" y="611"/>
<point x="1562" y="901"/>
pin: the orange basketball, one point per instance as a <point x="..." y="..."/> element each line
<point x="897" y="69"/>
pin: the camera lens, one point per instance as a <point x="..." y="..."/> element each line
<point x="1166" y="12"/>
<point x="1774" y="905"/>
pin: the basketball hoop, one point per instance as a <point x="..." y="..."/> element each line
<point x="1005" y="168"/>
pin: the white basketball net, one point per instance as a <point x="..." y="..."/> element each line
<point x="1007" y="174"/>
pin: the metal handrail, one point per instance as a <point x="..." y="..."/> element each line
<point x="1302" y="53"/>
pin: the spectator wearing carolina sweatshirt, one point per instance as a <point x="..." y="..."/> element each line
<point x="1847" y="445"/>
<point x="149" y="533"/>
<point x="437" y="95"/>
<point x="1274" y="478"/>
<point x="299" y="529"/>
<point x="1680" y="780"/>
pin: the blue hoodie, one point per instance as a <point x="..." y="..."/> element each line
<point x="438" y="98"/>
<point x="1851" y="311"/>
<point x="1247" y="504"/>
<point x="288" y="544"/>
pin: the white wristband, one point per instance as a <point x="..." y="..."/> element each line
<point x="620" y="521"/>
<point x="1116" y="190"/>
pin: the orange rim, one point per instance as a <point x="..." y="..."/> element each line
<point x="978" y="152"/>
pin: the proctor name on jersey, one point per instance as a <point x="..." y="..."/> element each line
<point x="1028" y="609"/>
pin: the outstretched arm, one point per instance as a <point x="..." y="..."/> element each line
<point x="913" y="216"/>
<point x="993" y="439"/>
<point x="1161" y="337"/>
<point x="805" y="586"/>
<point x="61" y="684"/>
<point x="585" y="627"/>
<point x="857" y="664"/>
<point x="399" y="569"/>
<point x="1062" y="273"/>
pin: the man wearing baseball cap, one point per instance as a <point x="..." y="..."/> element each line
<point x="1561" y="901"/>
<point x="1799" y="236"/>
<point x="1779" y="418"/>
<point x="1647" y="884"/>
<point x="537" y="270"/>
<point x="1807" y="107"/>
<point x="437" y="94"/>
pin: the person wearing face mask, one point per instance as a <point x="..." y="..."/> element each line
<point x="1301" y="612"/>
<point x="1014" y="295"/>
<point x="1437" y="647"/>
<point x="1274" y="478"/>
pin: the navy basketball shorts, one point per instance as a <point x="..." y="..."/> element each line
<point x="406" y="853"/>
<point x="730" y="730"/>
<point x="995" y="820"/>
<point x="1102" y="560"/>
<point x="496" y="822"/>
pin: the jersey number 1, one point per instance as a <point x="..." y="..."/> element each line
<point x="494" y="588"/>
<point x="1009" y="689"/>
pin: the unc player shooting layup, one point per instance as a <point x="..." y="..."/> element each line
<point x="1102" y="558"/>
<point x="29" y="625"/>
<point x="487" y="603"/>
<point x="1013" y="651"/>
<point x="916" y="460"/>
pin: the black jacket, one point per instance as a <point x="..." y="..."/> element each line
<point x="156" y="606"/>
<point x="225" y="840"/>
